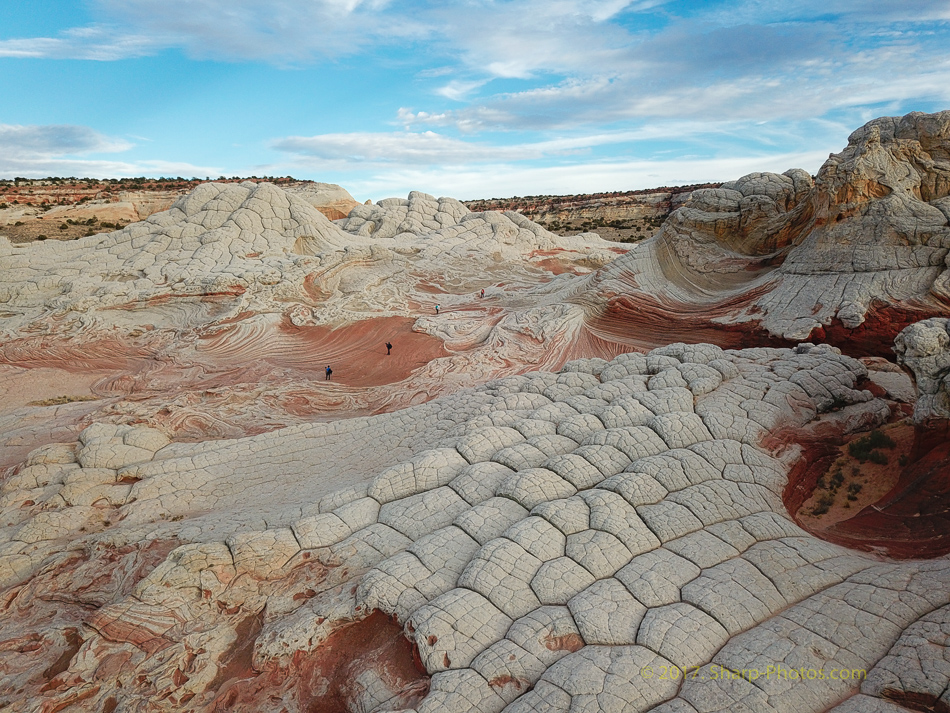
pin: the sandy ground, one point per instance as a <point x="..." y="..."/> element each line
<point x="875" y="480"/>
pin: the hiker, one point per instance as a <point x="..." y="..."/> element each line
<point x="483" y="292"/>
<point x="437" y="309"/>
<point x="329" y="371"/>
<point x="389" y="348"/>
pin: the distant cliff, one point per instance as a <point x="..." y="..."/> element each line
<point x="628" y="216"/>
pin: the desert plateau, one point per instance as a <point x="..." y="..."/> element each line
<point x="704" y="470"/>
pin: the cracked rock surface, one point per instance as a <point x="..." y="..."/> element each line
<point x="553" y="541"/>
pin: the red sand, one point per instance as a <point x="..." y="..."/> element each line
<point x="356" y="352"/>
<point x="911" y="520"/>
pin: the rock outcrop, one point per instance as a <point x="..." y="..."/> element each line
<point x="65" y="209"/>
<point x="628" y="217"/>
<point x="332" y="200"/>
<point x="608" y="537"/>
<point x="852" y="258"/>
<point x="221" y="313"/>
<point x="515" y="510"/>
<point x="924" y="348"/>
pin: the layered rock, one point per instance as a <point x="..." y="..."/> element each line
<point x="581" y="540"/>
<point x="220" y="528"/>
<point x="64" y="211"/>
<point x="924" y="348"/>
<point x="627" y="217"/>
<point x="221" y="313"/>
<point x="332" y="200"/>
<point x="853" y="257"/>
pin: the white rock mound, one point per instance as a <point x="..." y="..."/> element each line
<point x="574" y="541"/>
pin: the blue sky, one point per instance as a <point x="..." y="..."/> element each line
<point x="472" y="99"/>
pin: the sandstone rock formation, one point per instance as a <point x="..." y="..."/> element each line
<point x="626" y="217"/>
<point x="564" y="541"/>
<point x="220" y="314"/>
<point x="513" y="511"/>
<point x="65" y="209"/>
<point x="332" y="200"/>
<point x="924" y="347"/>
<point x="851" y="258"/>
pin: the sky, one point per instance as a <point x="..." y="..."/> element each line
<point x="469" y="98"/>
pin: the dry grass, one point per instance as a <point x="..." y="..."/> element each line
<point x="60" y="400"/>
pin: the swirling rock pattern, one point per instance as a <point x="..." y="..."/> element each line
<point x="210" y="533"/>
<point x="217" y="317"/>
<point x="852" y="257"/>
<point x="220" y="314"/>
<point x="547" y="542"/>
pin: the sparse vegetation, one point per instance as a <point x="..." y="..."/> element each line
<point x="60" y="400"/>
<point x="866" y="447"/>
<point x="823" y="505"/>
<point x="853" y="491"/>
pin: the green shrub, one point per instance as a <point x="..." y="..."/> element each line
<point x="836" y="480"/>
<point x="863" y="447"/>
<point x="823" y="505"/>
<point x="879" y="439"/>
<point x="877" y="457"/>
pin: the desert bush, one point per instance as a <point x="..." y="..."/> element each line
<point x="823" y="505"/>
<point x="877" y="457"/>
<point x="863" y="447"/>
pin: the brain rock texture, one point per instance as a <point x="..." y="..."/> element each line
<point x="544" y="499"/>
<point x="548" y="542"/>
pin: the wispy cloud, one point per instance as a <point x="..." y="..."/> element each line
<point x="530" y="87"/>
<point x="280" y="31"/>
<point x="431" y="148"/>
<point x="504" y="179"/>
<point x="383" y="164"/>
<point x="54" y="140"/>
<point x="69" y="150"/>
<point x="90" y="43"/>
<point x="100" y="168"/>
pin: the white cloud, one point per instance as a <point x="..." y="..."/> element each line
<point x="46" y="141"/>
<point x="457" y="90"/>
<point x="93" y="43"/>
<point x="385" y="164"/>
<point x="40" y="167"/>
<point x="425" y="147"/>
<point x="502" y="180"/>
<point x="283" y="31"/>
<point x="431" y="148"/>
<point x="56" y="150"/>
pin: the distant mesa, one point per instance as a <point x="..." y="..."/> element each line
<point x="65" y="209"/>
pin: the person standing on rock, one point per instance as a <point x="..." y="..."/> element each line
<point x="389" y="348"/>
<point x="329" y="372"/>
<point x="437" y="309"/>
<point x="483" y="292"/>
